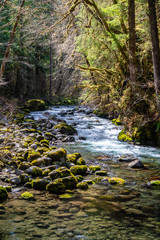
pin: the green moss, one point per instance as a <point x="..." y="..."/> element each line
<point x="33" y="155"/>
<point x="24" y="165"/>
<point x="45" y="141"/>
<point x="101" y="173"/>
<point x="66" y="196"/>
<point x="79" y="169"/>
<point x="155" y="183"/>
<point x="79" y="178"/>
<point x="65" y="128"/>
<point x="3" y="194"/>
<point x="27" y="196"/>
<point x="70" y="182"/>
<point x="46" y="172"/>
<point x="56" y="187"/>
<point x="41" y="150"/>
<point x="81" y="161"/>
<point x="82" y="185"/>
<point x="38" y="162"/>
<point x="94" y="168"/>
<point x="116" y="121"/>
<point x="57" y="154"/>
<point x="5" y="153"/>
<point x="39" y="184"/>
<point x="125" y="137"/>
<point x="116" y="180"/>
<point x="73" y="157"/>
<point x="35" y="105"/>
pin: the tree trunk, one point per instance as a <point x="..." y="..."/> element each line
<point x="7" y="52"/>
<point x="155" y="49"/>
<point x="132" y="43"/>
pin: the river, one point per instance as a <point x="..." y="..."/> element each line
<point x="130" y="211"/>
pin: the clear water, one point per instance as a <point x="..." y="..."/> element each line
<point x="103" y="212"/>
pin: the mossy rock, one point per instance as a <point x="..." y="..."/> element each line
<point x="38" y="162"/>
<point x="35" y="105"/>
<point x="79" y="178"/>
<point x="59" y="173"/>
<point x="70" y="182"/>
<point x="33" y="155"/>
<point x="39" y="184"/>
<point x="34" y="171"/>
<point x="5" y="154"/>
<point x="40" y="138"/>
<point x="155" y="183"/>
<point x="41" y="150"/>
<point x="66" y="196"/>
<point x="24" y="165"/>
<point x="102" y="173"/>
<point x="65" y="128"/>
<point x="46" y="172"/>
<point x="94" y="168"/>
<point x="44" y="141"/>
<point x="56" y="187"/>
<point x="79" y="170"/>
<point x="81" y="161"/>
<point x="73" y="157"/>
<point x="116" y="180"/>
<point x="124" y="136"/>
<point x="27" y="196"/>
<point x="82" y="185"/>
<point x="50" y="136"/>
<point x="24" y="177"/>
<point x="3" y="194"/>
<point x="58" y="155"/>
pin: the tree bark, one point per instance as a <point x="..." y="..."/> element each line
<point x="132" y="43"/>
<point x="155" y="49"/>
<point x="7" y="52"/>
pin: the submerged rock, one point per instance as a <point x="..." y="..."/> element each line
<point x="27" y="196"/>
<point x="116" y="180"/>
<point x="3" y="194"/>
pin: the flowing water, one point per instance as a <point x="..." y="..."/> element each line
<point x="130" y="211"/>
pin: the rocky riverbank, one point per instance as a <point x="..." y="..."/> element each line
<point x="31" y="156"/>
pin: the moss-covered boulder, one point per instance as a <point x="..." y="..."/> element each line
<point x="73" y="157"/>
<point x="56" y="186"/>
<point x="82" y="185"/>
<point x="24" y="165"/>
<point x="57" y="155"/>
<point x="34" y="171"/>
<point x="70" y="182"/>
<point x="102" y="173"/>
<point x="35" y="105"/>
<point x="38" y="162"/>
<point x="27" y="196"/>
<point x="39" y="184"/>
<point x="94" y="168"/>
<point x="24" y="178"/>
<point x="33" y="155"/>
<point x="79" y="170"/>
<point x="66" y="196"/>
<point x="65" y="128"/>
<point x="3" y="194"/>
<point x="116" y="180"/>
<point x="60" y="173"/>
<point x="124" y="136"/>
<point x="41" y="150"/>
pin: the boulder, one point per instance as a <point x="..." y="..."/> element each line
<point x="82" y="185"/>
<point x="27" y="196"/>
<point x="39" y="184"/>
<point x="79" y="169"/>
<point x="58" y="155"/>
<point x="34" y="171"/>
<point x="56" y="187"/>
<point x="136" y="164"/>
<point x="65" y="128"/>
<point x="35" y="105"/>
